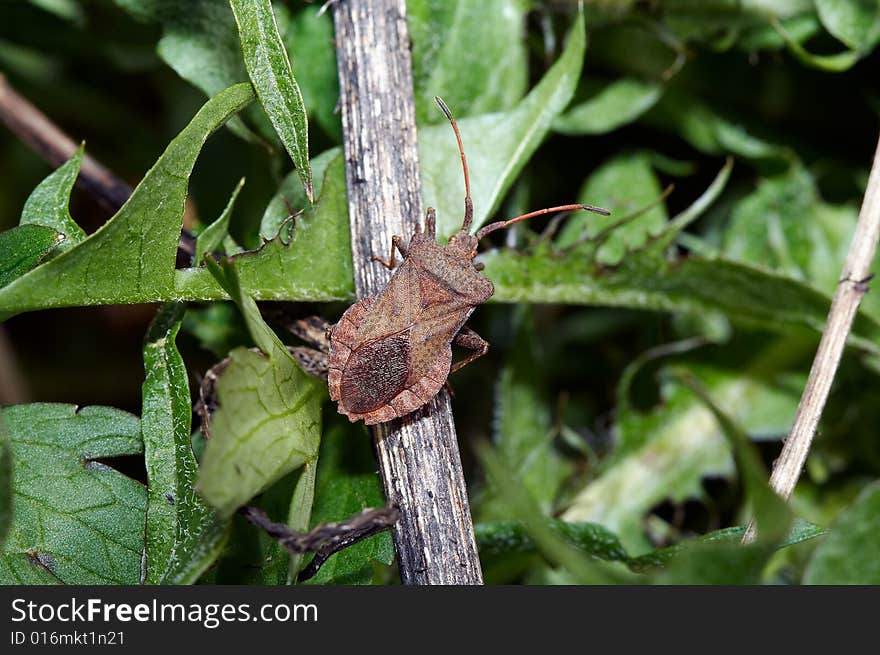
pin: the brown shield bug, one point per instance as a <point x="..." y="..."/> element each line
<point x="391" y="353"/>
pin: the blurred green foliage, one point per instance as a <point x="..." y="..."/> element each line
<point x="644" y="367"/>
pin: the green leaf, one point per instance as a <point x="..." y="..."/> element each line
<point x="308" y="258"/>
<point x="615" y="105"/>
<point x="131" y="257"/>
<point x="74" y="516"/>
<point x="847" y="555"/>
<point x="799" y="532"/>
<point x="473" y="80"/>
<point x="251" y="555"/>
<point x="498" y="538"/>
<point x="497" y="145"/>
<point x="68" y="10"/>
<point x="743" y="292"/>
<point x="786" y="226"/>
<point x="212" y="237"/>
<point x="771" y="514"/>
<point x="200" y="43"/>
<point x="665" y="453"/>
<point x="716" y="564"/>
<point x="547" y="537"/>
<point x="764" y="36"/>
<point x="712" y="132"/>
<point x="6" y="488"/>
<point x="269" y="418"/>
<point x="347" y="484"/>
<point x="836" y="63"/>
<point x="717" y="557"/>
<point x="24" y="247"/>
<point x="624" y="185"/>
<point x="300" y="511"/>
<point x="269" y="69"/>
<point x="856" y="23"/>
<point x="48" y="203"/>
<point x="523" y="427"/>
<point x="182" y="536"/>
<point x="328" y="169"/>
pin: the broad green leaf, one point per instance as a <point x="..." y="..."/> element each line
<point x="471" y="54"/>
<point x="24" y="570"/>
<point x="835" y="63"/>
<point x="347" y="484"/>
<point x="786" y="226"/>
<point x="664" y="454"/>
<point x="269" y="69"/>
<point x="743" y="292"/>
<point x="200" y="43"/>
<point x="523" y="428"/>
<point x="856" y="23"/>
<point x="772" y="226"/>
<point x="328" y="167"/>
<point x="182" y="535"/>
<point x="131" y="257"/>
<point x="24" y="247"/>
<point x="68" y="10"/>
<point x="721" y="23"/>
<point x="497" y="145"/>
<point x="764" y="36"/>
<point x="212" y="237"/>
<point x="300" y="512"/>
<point x="48" y="203"/>
<point x="710" y="558"/>
<point x="771" y="514"/>
<point x="73" y="515"/>
<point x="308" y="258"/>
<point x="799" y="532"/>
<point x="716" y="564"/>
<point x="624" y="185"/>
<point x="499" y="538"/>
<point x="740" y="291"/>
<point x="847" y="555"/>
<point x="6" y="489"/>
<point x="616" y="104"/>
<point x="268" y="422"/>
<point x="710" y="131"/>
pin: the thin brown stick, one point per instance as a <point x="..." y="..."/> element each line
<point x="418" y="455"/>
<point x="326" y="539"/>
<point x="35" y="129"/>
<point x="852" y="286"/>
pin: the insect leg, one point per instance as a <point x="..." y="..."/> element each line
<point x="396" y="242"/>
<point x="467" y="338"/>
<point x="431" y="222"/>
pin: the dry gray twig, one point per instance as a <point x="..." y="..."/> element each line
<point x="852" y="286"/>
<point x="418" y="455"/>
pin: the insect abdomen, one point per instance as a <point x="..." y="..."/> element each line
<point x="375" y="373"/>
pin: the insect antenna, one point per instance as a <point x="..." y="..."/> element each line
<point x="563" y="208"/>
<point x="468" y="203"/>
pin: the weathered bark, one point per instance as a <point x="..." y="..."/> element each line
<point x="418" y="455"/>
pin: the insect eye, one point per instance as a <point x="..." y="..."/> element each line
<point x="479" y="266"/>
